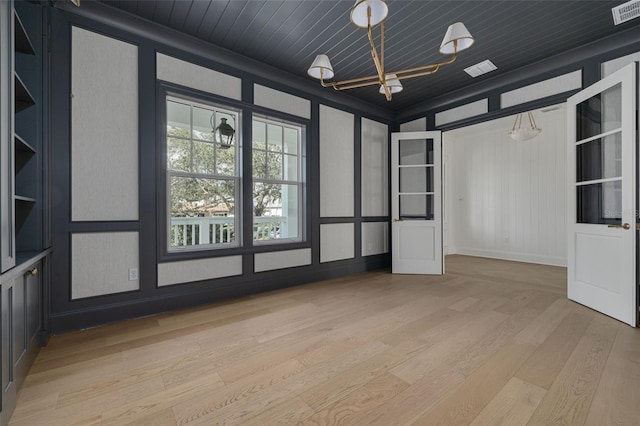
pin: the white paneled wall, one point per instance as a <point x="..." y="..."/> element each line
<point x="336" y="163"/>
<point x="507" y="199"/>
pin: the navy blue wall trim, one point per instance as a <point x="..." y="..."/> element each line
<point x="205" y="292"/>
<point x="100" y="14"/>
<point x="247" y="248"/>
<point x="147" y="168"/>
<point x="67" y="314"/>
<point x="587" y="58"/>
<point x="357" y="177"/>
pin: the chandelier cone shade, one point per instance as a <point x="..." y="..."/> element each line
<point x="456" y="39"/>
<point x="373" y="13"/>
<point x="392" y="83"/>
<point x="360" y="13"/>
<point x="321" y="68"/>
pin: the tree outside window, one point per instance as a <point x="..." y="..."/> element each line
<point x="277" y="180"/>
<point x="203" y="177"/>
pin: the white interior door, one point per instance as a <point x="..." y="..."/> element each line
<point x="602" y="196"/>
<point x="416" y="182"/>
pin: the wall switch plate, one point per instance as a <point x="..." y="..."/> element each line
<point x="133" y="274"/>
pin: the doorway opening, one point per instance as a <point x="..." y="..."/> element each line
<point x="506" y="199"/>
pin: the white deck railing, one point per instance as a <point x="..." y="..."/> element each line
<point x="188" y="231"/>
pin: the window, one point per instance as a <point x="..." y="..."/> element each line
<point x="277" y="180"/>
<point x="203" y="177"/>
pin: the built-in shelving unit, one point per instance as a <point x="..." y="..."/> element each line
<point x="23" y="199"/>
<point x="23" y="194"/>
<point x="22" y="146"/>
<point x="26" y="168"/>
<point x="21" y="39"/>
<point x="23" y="98"/>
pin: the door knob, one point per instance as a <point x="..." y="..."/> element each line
<point x="625" y="226"/>
<point x="397" y="220"/>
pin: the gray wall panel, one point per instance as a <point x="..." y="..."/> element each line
<point x="375" y="238"/>
<point x="100" y="263"/>
<point x="281" y="101"/>
<point x="549" y="87"/>
<point x="375" y="168"/>
<point x="281" y="259"/>
<point x="191" y="75"/>
<point x="198" y="270"/>
<point x="336" y="163"/>
<point x="337" y="241"/>
<point x="104" y="128"/>
<point x="417" y="125"/>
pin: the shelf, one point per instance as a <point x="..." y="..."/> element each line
<point x="22" y="41"/>
<point x="22" y="199"/>
<point x="26" y="256"/>
<point x="22" y="145"/>
<point x="23" y="98"/>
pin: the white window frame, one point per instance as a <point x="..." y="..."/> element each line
<point x="299" y="182"/>
<point x="236" y="178"/>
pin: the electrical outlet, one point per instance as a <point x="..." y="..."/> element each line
<point x="133" y="274"/>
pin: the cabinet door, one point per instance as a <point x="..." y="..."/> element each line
<point x="33" y="304"/>
<point x="7" y="318"/>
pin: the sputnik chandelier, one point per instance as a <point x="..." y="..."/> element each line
<point x="368" y="14"/>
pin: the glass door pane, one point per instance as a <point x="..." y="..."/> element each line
<point x="599" y="158"/>
<point x="416" y="179"/>
<point x="599" y="114"/>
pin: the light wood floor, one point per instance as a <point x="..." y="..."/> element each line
<point x="491" y="342"/>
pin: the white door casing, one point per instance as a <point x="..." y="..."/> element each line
<point x="601" y="174"/>
<point x="416" y="206"/>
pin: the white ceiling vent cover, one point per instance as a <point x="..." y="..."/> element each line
<point x="626" y="12"/>
<point x="481" y="68"/>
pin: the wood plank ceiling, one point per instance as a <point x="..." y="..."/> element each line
<point x="288" y="34"/>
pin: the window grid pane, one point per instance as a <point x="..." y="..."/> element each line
<point x="278" y="187"/>
<point x="202" y="182"/>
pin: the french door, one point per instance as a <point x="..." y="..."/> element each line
<point x="601" y="130"/>
<point x="416" y="182"/>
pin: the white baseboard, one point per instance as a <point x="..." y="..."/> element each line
<point x="508" y="255"/>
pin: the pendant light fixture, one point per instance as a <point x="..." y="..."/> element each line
<point x="524" y="133"/>
<point x="369" y="14"/>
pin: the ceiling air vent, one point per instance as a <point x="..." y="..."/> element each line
<point x="626" y="12"/>
<point x="480" y="68"/>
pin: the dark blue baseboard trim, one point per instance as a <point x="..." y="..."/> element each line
<point x="130" y="309"/>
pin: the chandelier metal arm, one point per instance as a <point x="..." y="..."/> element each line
<point x="372" y="80"/>
<point x="374" y="53"/>
<point x="434" y="67"/>
<point x="368" y="14"/>
<point x="350" y="84"/>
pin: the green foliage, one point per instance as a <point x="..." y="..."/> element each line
<point x="204" y="196"/>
